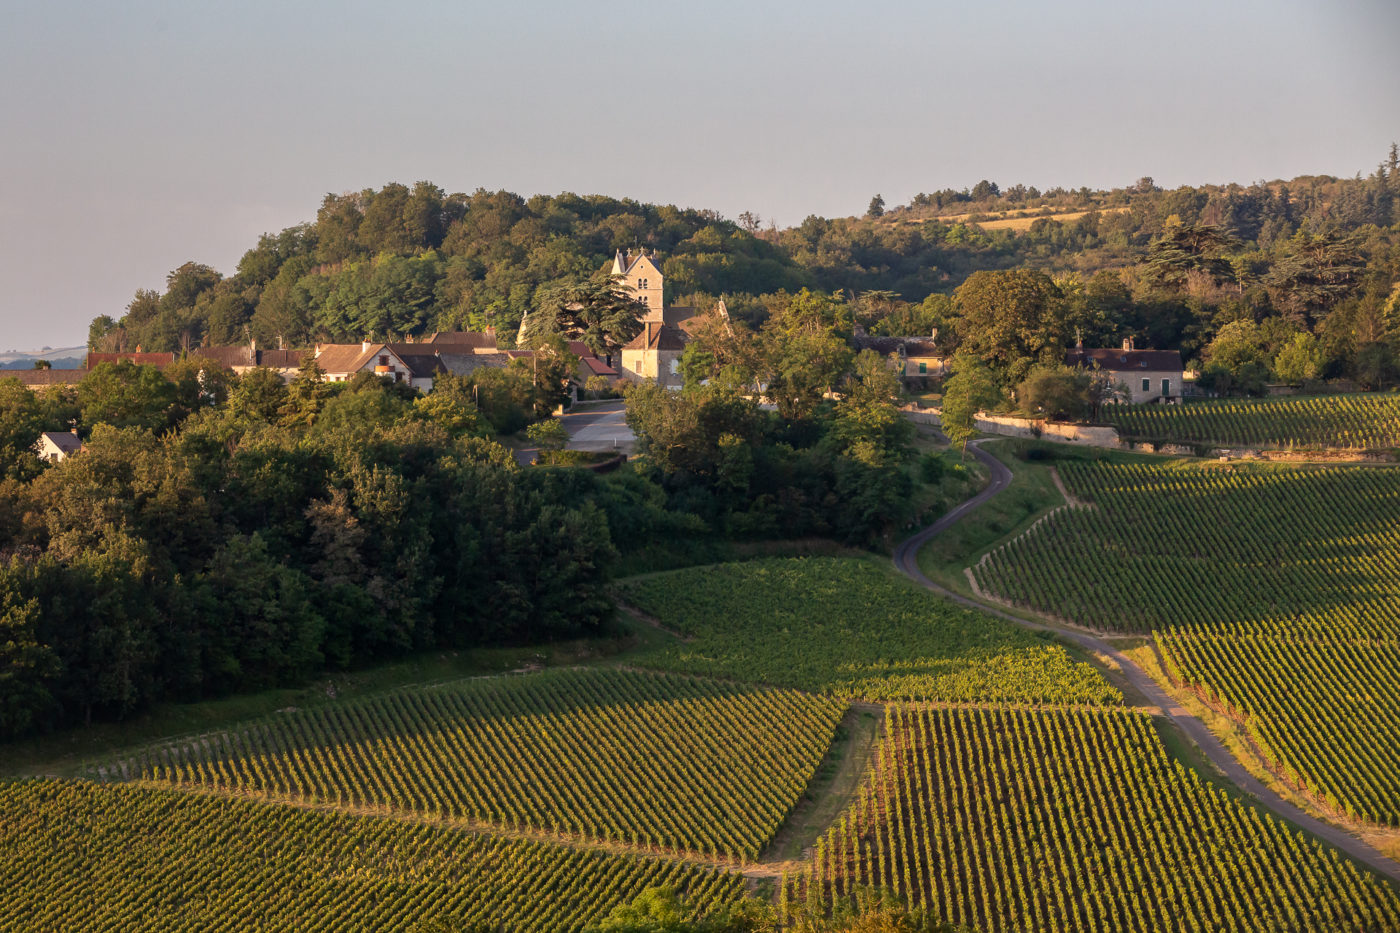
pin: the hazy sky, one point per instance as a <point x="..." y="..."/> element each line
<point x="140" y="135"/>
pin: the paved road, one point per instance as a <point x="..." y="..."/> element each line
<point x="598" y="426"/>
<point x="906" y="559"/>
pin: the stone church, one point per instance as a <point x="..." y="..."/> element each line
<point x="655" y="353"/>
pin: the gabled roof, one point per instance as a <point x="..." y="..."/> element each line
<point x="656" y="336"/>
<point x="226" y="356"/>
<point x="1120" y="361"/>
<point x="463" y="363"/>
<point x="336" y="358"/>
<point x="65" y="441"/>
<point x="158" y="360"/>
<point x="906" y="346"/>
<point x="421" y="360"/>
<point x="457" y="339"/>
<point x="37" y="378"/>
<point x="625" y="262"/>
<point x="283" y="359"/>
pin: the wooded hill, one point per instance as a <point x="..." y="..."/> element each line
<point x="399" y="261"/>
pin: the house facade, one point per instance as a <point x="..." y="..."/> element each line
<point x="57" y="446"/>
<point x="655" y="355"/>
<point x="413" y="363"/>
<point x="1143" y="375"/>
<point x="916" y="359"/>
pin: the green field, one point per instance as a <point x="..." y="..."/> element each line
<point x="1076" y="821"/>
<point x="850" y="628"/>
<point x="102" y="859"/>
<point x="1353" y="422"/>
<point x="646" y="759"/>
<point x="1274" y="591"/>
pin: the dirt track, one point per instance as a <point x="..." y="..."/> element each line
<point x="906" y="559"/>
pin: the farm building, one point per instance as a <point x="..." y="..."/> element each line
<point x="1145" y="375"/>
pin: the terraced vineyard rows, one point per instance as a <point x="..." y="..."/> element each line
<point x="1324" y="710"/>
<point x="1364" y="422"/>
<point x="110" y="859"/>
<point x="1017" y="820"/>
<point x="1275" y="592"/>
<point x="850" y="629"/>
<point x="645" y="759"/>
<point x="1197" y="545"/>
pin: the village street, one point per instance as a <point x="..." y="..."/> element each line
<point x="598" y="426"/>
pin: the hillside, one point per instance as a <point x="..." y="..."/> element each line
<point x="403" y="261"/>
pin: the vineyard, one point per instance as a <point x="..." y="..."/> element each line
<point x="849" y="628"/>
<point x="1358" y="422"/>
<point x="1198" y="545"/>
<point x="1076" y="821"/>
<point x="1275" y="592"/>
<point x="1323" y="710"/>
<point x="104" y="859"/>
<point x="645" y="759"/>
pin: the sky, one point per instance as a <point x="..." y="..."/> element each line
<point x="135" y="137"/>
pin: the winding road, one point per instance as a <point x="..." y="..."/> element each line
<point x="906" y="559"/>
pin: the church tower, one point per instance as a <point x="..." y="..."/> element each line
<point x="641" y="276"/>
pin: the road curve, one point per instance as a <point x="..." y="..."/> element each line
<point x="906" y="559"/>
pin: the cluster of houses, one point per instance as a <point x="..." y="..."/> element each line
<point x="653" y="355"/>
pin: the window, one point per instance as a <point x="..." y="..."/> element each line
<point x="1147" y="385"/>
<point x="1166" y="388"/>
<point x="923" y="368"/>
<point x="383" y="360"/>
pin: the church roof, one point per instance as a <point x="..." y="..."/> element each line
<point x="657" y="336"/>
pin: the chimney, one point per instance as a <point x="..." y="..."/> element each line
<point x="1127" y="344"/>
<point x="364" y="346"/>
<point x="253" y="350"/>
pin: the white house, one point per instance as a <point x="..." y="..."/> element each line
<point x="414" y="363"/>
<point x="1148" y="375"/>
<point x="56" y="446"/>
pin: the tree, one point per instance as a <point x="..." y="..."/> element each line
<point x="306" y="395"/>
<point x="685" y="432"/>
<point x="1299" y="361"/>
<point x="1055" y="392"/>
<point x="1011" y="320"/>
<point x="1314" y="274"/>
<point x="21" y="421"/>
<point x="972" y="388"/>
<point x="258" y="395"/>
<point x="1186" y="249"/>
<point x="549" y="434"/>
<point x="124" y="395"/>
<point x="1236" y="361"/>
<point x="98" y="330"/>
<point x="876" y="208"/>
<point x="600" y="312"/>
<point x="551" y="367"/>
<point x="867" y="424"/>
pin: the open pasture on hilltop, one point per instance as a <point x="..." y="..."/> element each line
<point x="646" y="759"/>
<point x="1350" y="422"/>
<point x="851" y="628"/>
<point x="111" y="859"/>
<point x="1274" y="592"/>
<point x="1012" y="821"/>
